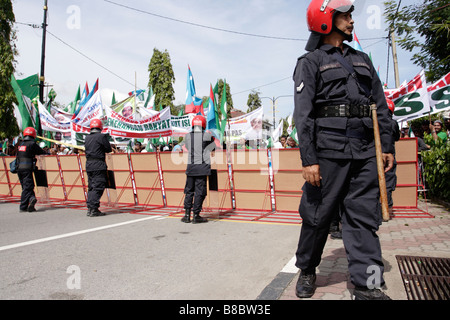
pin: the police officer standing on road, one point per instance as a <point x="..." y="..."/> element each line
<point x="96" y="146"/>
<point x="199" y="145"/>
<point x="26" y="165"/>
<point x="334" y="88"/>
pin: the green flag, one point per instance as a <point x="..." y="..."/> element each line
<point x="52" y="95"/>
<point x="113" y="101"/>
<point x="27" y="115"/>
<point x="293" y="134"/>
<point x="150" y="98"/>
<point x="223" y="109"/>
<point x="74" y="103"/>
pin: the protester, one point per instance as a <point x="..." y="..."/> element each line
<point x="437" y="131"/>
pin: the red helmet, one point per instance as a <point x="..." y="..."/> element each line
<point x="96" y="124"/>
<point x="199" y="121"/>
<point x="30" y="131"/>
<point x="391" y="105"/>
<point x="320" y="14"/>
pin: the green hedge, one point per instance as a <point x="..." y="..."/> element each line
<point x="437" y="168"/>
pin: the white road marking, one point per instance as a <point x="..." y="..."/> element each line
<point x="71" y="234"/>
<point x="290" y="266"/>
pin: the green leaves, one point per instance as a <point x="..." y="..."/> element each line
<point x="423" y="28"/>
<point x="161" y="78"/>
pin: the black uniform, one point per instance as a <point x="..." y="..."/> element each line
<point x="335" y="131"/>
<point x="199" y="146"/>
<point x="26" y="164"/>
<point x="96" y="145"/>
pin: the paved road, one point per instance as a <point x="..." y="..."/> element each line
<point x="59" y="253"/>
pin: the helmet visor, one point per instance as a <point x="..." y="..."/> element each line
<point x="338" y="5"/>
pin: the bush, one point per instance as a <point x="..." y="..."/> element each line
<point x="437" y="168"/>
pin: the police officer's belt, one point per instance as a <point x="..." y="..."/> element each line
<point x="343" y="110"/>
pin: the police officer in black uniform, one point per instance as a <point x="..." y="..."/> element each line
<point x="334" y="87"/>
<point x="199" y="145"/>
<point x="96" y="146"/>
<point x="26" y="165"/>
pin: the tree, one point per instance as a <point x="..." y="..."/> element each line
<point x="8" y="51"/>
<point x="253" y="101"/>
<point x="424" y="26"/>
<point x="161" y="78"/>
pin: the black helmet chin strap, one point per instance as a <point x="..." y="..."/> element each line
<point x="348" y="37"/>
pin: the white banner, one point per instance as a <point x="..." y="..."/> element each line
<point x="411" y="100"/>
<point x="246" y="127"/>
<point x="439" y="94"/>
<point x="49" y="123"/>
<point x="152" y="127"/>
<point x="93" y="109"/>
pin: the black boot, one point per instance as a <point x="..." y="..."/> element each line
<point x="362" y="293"/>
<point x="306" y="285"/>
<point x="31" y="207"/>
<point x="96" y="213"/>
<point x="198" y="219"/>
<point x="187" y="216"/>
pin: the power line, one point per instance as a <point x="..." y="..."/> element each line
<point x="90" y="59"/>
<point x="210" y="27"/>
<point x="264" y="85"/>
<point x="202" y="25"/>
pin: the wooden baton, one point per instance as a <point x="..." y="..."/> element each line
<point x="380" y="165"/>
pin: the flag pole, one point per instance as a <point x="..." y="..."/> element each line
<point x="44" y="33"/>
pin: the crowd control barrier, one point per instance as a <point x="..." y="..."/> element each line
<point x="260" y="185"/>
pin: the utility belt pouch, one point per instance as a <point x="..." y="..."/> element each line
<point x="343" y="110"/>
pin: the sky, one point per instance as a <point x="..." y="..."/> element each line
<point x="90" y="39"/>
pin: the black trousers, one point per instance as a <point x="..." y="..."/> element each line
<point x="354" y="184"/>
<point x="96" y="186"/>
<point x="27" y="183"/>
<point x="195" y="193"/>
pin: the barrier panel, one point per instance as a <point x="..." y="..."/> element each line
<point x="8" y="180"/>
<point x="124" y="192"/>
<point x="147" y="178"/>
<point x="73" y="178"/>
<point x="220" y="196"/>
<point x="251" y="181"/>
<point x="173" y="168"/>
<point x="288" y="179"/>
<point x="56" y="188"/>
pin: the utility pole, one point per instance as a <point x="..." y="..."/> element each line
<point x="42" y="77"/>
<point x="394" y="57"/>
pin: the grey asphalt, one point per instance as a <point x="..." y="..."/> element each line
<point x="60" y="253"/>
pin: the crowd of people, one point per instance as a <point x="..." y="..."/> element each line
<point x="429" y="131"/>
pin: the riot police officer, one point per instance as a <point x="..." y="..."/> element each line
<point x="96" y="146"/>
<point x="26" y="165"/>
<point x="199" y="145"/>
<point x="334" y="88"/>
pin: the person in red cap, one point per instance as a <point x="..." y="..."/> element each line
<point x="199" y="145"/>
<point x="26" y="164"/>
<point x="335" y="86"/>
<point x="96" y="147"/>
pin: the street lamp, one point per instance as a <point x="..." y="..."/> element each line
<point x="273" y="99"/>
